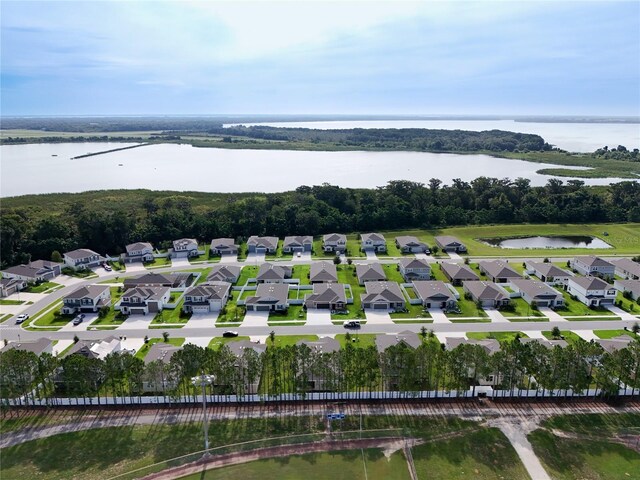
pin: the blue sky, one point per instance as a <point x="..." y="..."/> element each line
<point x="307" y="57"/>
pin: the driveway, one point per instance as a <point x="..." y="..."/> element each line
<point x="228" y="258"/>
<point x="61" y="346"/>
<point x="587" y="335"/>
<point x="136" y="321"/>
<point x="455" y="257"/>
<point x="318" y="317"/>
<point x="536" y="334"/>
<point x="255" y="258"/>
<point x="438" y="316"/>
<point x="621" y="313"/>
<point x="202" y="320"/>
<point x="442" y="336"/>
<point x="134" y="344"/>
<point x="378" y="317"/>
<point x="135" y="268"/>
<point x="371" y="255"/>
<point x="101" y="272"/>
<point x="305" y="257"/>
<point x="88" y="319"/>
<point x="180" y="262"/>
<point x="255" y="319"/>
<point x="495" y="315"/>
<point x="66" y="280"/>
<point x="199" y="341"/>
<point x="551" y="315"/>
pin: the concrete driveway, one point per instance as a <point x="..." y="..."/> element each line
<point x="134" y="344"/>
<point x="199" y="341"/>
<point x="61" y="346"/>
<point x="378" y="317"/>
<point x="536" y="334"/>
<point x="305" y="257"/>
<point x="136" y="321"/>
<point x="318" y="317"/>
<point x="551" y="315"/>
<point x="66" y="280"/>
<point x="587" y="335"/>
<point x="495" y="315"/>
<point x="455" y="257"/>
<point x="442" y="336"/>
<point x="101" y="272"/>
<point x="180" y="262"/>
<point x="255" y="258"/>
<point x="199" y="320"/>
<point x="621" y="313"/>
<point x="255" y="319"/>
<point x="88" y="320"/>
<point x="228" y="258"/>
<point x="438" y="316"/>
<point x="371" y="255"/>
<point x="136" y="268"/>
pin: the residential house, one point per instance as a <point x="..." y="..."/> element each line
<point x="323" y="271"/>
<point x="185" y="248"/>
<point x="29" y="273"/>
<point x="47" y="269"/>
<point x="138" y="252"/>
<point x="9" y="286"/>
<point x="498" y="271"/>
<point x="327" y="296"/>
<point x="39" y="346"/>
<point x="447" y="243"/>
<point x="414" y="269"/>
<point x="592" y="291"/>
<point x="544" y="342"/>
<point x="458" y="273"/>
<point x="632" y="286"/>
<point x="265" y="245"/>
<point x="627" y="268"/>
<point x="269" y="297"/>
<point x="171" y="280"/>
<point x="490" y="345"/>
<point x="224" y="273"/>
<point x="614" y="344"/>
<point x="373" y="242"/>
<point x="240" y="350"/>
<point x="82" y="258"/>
<point x="537" y="293"/>
<point x="206" y="297"/>
<point x="411" y="244"/>
<point x="487" y="293"/>
<point x="223" y="246"/>
<point x="96" y="348"/>
<point x="409" y="339"/>
<point x="316" y="378"/>
<point x="162" y="352"/>
<point x="382" y="296"/>
<point x="157" y="380"/>
<point x="334" y="242"/>
<point x="303" y="243"/>
<point x="548" y="272"/>
<point x="90" y="298"/>
<point x="370" y="272"/>
<point x="272" y="273"/>
<point x="591" y="265"/>
<point x="143" y="300"/>
<point x="434" y="294"/>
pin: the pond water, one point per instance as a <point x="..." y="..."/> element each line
<point x="49" y="168"/>
<point x="571" y="241"/>
<point x="574" y="137"/>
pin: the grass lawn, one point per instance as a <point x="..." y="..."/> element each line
<point x="175" y="315"/>
<point x="353" y="246"/>
<point x="346" y="274"/>
<point x="204" y="257"/>
<point x="11" y="302"/>
<point x="627" y="305"/>
<point x="285" y="340"/>
<point x="596" y="423"/>
<point x="44" y="286"/>
<point x="500" y="336"/>
<point x="357" y="339"/>
<point x="216" y="343"/>
<point x="520" y="309"/>
<point x="278" y="254"/>
<point x="391" y="270"/>
<point x="569" y="459"/>
<point x="570" y="337"/>
<point x="317" y="249"/>
<point x="294" y="312"/>
<point x="413" y="311"/>
<point x="302" y="273"/>
<point x="614" y="333"/>
<point x="147" y="346"/>
<point x="353" y="464"/>
<point x="158" y="262"/>
<point x="113" y="317"/>
<point x="231" y="313"/>
<point x="249" y="271"/>
<point x="49" y="319"/>
<point x="468" y="308"/>
<point x="5" y="317"/>
<point x="576" y="308"/>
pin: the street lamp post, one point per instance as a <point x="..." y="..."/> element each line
<point x="204" y="380"/>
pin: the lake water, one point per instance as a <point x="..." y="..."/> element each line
<point x="574" y="137"/>
<point x="33" y="168"/>
<point x="572" y="241"/>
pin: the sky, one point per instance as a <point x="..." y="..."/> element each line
<point x="320" y="57"/>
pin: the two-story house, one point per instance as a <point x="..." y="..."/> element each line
<point x="373" y="242"/>
<point x="143" y="300"/>
<point x="185" y="248"/>
<point x="223" y="246"/>
<point x="631" y="286"/>
<point x="82" y="258"/>
<point x="138" y="252"/>
<point x="592" y="291"/>
<point x="411" y="244"/>
<point x="301" y="243"/>
<point x="86" y="299"/>
<point x="627" y="268"/>
<point x="206" y="297"/>
<point x="548" y="272"/>
<point x="334" y="242"/>
<point x="266" y="245"/>
<point x="591" y="265"/>
<point x="414" y="269"/>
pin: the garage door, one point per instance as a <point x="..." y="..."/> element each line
<point x="261" y="250"/>
<point x="324" y="306"/>
<point x="200" y="309"/>
<point x="262" y="308"/>
<point x="136" y="311"/>
<point x="379" y="306"/>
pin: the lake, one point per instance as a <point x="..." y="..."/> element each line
<point x="574" y="137"/>
<point x="571" y="241"/>
<point x="48" y="168"/>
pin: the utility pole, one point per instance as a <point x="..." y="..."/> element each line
<point x="204" y="380"/>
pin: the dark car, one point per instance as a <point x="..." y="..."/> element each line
<point x="352" y="324"/>
<point x="78" y="320"/>
<point x="230" y="334"/>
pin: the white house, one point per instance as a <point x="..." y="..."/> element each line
<point x="143" y="300"/>
<point x="373" y="242"/>
<point x="537" y="293"/>
<point x="82" y="258"/>
<point x="627" y="268"/>
<point x="592" y="291"/>
<point x="590" y="265"/>
<point x="86" y="299"/>
<point x="138" y="252"/>
<point x="631" y="286"/>
<point x="414" y="269"/>
<point x="548" y="272"/>
<point x="334" y="242"/>
<point x="185" y="248"/>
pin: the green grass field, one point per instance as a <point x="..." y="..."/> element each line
<point x="44" y="286"/>
<point x="614" y="333"/>
<point x="500" y="336"/>
<point x="174" y="315"/>
<point x="346" y="274"/>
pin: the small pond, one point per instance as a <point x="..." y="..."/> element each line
<point x="572" y="241"/>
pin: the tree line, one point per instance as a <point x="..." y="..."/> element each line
<point x="33" y="227"/>
<point x="514" y="369"/>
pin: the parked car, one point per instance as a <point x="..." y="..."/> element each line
<point x="351" y="324"/>
<point x="106" y="266"/>
<point x="78" y="320"/>
<point x="21" y="318"/>
<point x="230" y="334"/>
<point x="299" y="254"/>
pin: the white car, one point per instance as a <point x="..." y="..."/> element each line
<point x="299" y="254"/>
<point x="21" y="318"/>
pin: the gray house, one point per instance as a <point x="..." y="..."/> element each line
<point x="138" y="252"/>
<point x="295" y="244"/>
<point x="592" y="291"/>
<point x="39" y="346"/>
<point x="410" y="339"/>
<point x="86" y="299"/>
<point x="498" y="271"/>
<point x="631" y="286"/>
<point x="537" y="293"/>
<point x="206" y="297"/>
<point x="37" y="271"/>
<point x="447" y="243"/>
<point x="627" y="268"/>
<point x="269" y="297"/>
<point x="143" y="300"/>
<point x="373" y="242"/>
<point x="9" y="286"/>
<point x="185" y="248"/>
<point x="223" y="246"/>
<point x="272" y="273"/>
<point x="414" y="269"/>
<point x="434" y="294"/>
<point x="224" y="273"/>
<point x="327" y="296"/>
<point x="382" y="296"/>
<point x="548" y="272"/>
<point x="161" y="352"/>
<point x="370" y="272"/>
<point x="411" y="244"/>
<point x="334" y="242"/>
<point x="323" y="271"/>
<point x="82" y="258"/>
<point x="171" y="280"/>
<point x="489" y="294"/>
<point x="458" y="273"/>
<point x="265" y="245"/>
<point x="591" y="265"/>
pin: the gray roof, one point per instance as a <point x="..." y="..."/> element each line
<point x="458" y="272"/>
<point x="632" y="286"/>
<point x="80" y="253"/>
<point x="627" y="265"/>
<point x="133" y="247"/>
<point x="535" y="288"/>
<point x="483" y="290"/>
<point x="90" y="291"/>
<point x="549" y="269"/>
<point x="161" y="351"/>
<point x="7" y="282"/>
<point x="322" y="345"/>
<point x="36" y="346"/>
<point x="268" y="242"/>
<point x="238" y="348"/>
<point x="414" y="263"/>
<point x="152" y="278"/>
<point x="616" y="343"/>
<point x="85" y="346"/>
<point x="545" y="342"/>
<point x="224" y="243"/>
<point x="433" y="289"/>
<point x="146" y="293"/>
<point x="271" y="271"/>
<point x="370" y="272"/>
<point x="382" y="291"/>
<point x="498" y="269"/>
<point x="334" y="238"/>
<point x="23" y="271"/>
<point x="209" y="290"/>
<point x="270" y="293"/>
<point x="447" y="240"/>
<point x="185" y="242"/>
<point x="44" y="264"/>
<point x="491" y="345"/>
<point x="411" y="339"/>
<point x="221" y="272"/>
<point x="323" y="271"/>
<point x="592" y="261"/>
<point x="298" y="240"/>
<point x="327" y="292"/>
<point x="590" y="283"/>
<point x="409" y="240"/>
<point x="373" y="237"/>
